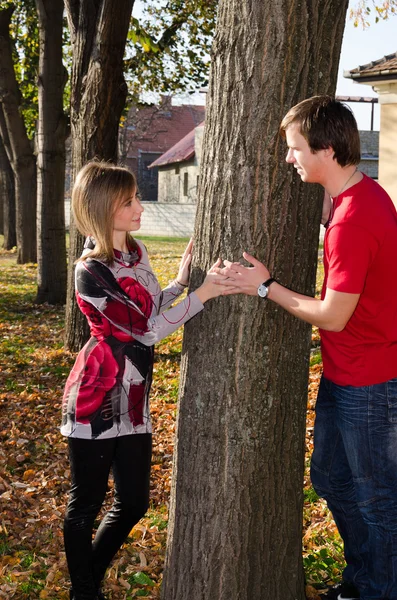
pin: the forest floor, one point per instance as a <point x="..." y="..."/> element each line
<point x="34" y="470"/>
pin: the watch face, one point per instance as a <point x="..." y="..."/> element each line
<point x="262" y="291"/>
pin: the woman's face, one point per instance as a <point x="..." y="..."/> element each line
<point x="127" y="216"/>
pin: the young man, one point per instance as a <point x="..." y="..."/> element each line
<point x="354" y="463"/>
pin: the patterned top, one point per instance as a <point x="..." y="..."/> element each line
<point x="107" y="391"/>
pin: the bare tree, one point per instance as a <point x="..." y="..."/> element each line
<point x="236" y="508"/>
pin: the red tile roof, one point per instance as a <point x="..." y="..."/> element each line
<point x="383" y="68"/>
<point x="181" y="151"/>
<point x="158" y="128"/>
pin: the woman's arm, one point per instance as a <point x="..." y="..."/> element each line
<point x="124" y="308"/>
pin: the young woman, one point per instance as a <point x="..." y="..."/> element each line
<point x="106" y="414"/>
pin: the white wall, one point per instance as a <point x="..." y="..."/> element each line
<point x="174" y="220"/>
<point x="171" y="183"/>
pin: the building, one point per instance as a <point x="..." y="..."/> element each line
<point x="178" y="169"/>
<point x="381" y="75"/>
<point x="148" y="132"/>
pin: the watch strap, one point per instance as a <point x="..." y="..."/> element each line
<point x="269" y="282"/>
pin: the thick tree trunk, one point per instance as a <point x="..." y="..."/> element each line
<point x="21" y="155"/>
<point x="7" y="191"/>
<point x="236" y="508"/>
<point x="98" y="32"/>
<point x="51" y="136"/>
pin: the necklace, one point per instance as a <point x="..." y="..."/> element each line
<point x="334" y="198"/>
<point x="344" y="185"/>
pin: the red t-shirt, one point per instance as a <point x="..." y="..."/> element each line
<point x="360" y="257"/>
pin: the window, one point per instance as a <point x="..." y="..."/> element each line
<point x="185" y="183"/>
<point x="148" y="178"/>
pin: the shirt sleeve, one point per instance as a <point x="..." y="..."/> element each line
<point x="128" y="310"/>
<point x="351" y="250"/>
<point x="170" y="294"/>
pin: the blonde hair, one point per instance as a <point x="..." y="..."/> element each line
<point x="97" y="192"/>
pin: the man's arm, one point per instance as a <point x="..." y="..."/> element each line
<point x="330" y="314"/>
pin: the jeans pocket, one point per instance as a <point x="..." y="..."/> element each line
<point x="392" y="401"/>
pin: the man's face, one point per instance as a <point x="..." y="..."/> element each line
<point x="311" y="167"/>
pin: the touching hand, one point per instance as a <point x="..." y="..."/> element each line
<point x="244" y="280"/>
<point x="214" y="284"/>
<point x="184" y="265"/>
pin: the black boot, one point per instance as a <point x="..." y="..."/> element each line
<point x="99" y="596"/>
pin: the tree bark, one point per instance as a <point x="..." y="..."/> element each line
<point x="51" y="136"/>
<point x="237" y="493"/>
<point x="21" y="155"/>
<point x="98" y="33"/>
<point x="7" y="191"/>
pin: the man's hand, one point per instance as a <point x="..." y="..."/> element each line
<point x="246" y="280"/>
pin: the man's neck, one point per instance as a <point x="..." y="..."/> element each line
<point x="341" y="179"/>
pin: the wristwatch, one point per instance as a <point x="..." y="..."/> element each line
<point x="263" y="289"/>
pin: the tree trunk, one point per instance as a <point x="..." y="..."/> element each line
<point x="98" y="33"/>
<point x="1" y="196"/>
<point x="21" y="155"/>
<point x="235" y="529"/>
<point x="7" y="191"/>
<point x="51" y="136"/>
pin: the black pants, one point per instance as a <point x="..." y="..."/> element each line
<point x="129" y="458"/>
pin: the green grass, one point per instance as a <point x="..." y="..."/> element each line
<point x="167" y="240"/>
<point x="4" y="545"/>
<point x="158" y="517"/>
<point x="324" y="565"/>
<point x="309" y="495"/>
<point x="315" y="357"/>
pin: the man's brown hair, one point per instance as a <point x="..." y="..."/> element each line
<point x="325" y="122"/>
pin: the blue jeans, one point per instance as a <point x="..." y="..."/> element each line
<point x="354" y="467"/>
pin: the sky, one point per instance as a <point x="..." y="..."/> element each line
<point x="359" y="47"/>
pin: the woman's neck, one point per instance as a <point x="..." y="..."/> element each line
<point x="120" y="241"/>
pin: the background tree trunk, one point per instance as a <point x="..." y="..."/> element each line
<point x="1" y="196"/>
<point x="236" y="506"/>
<point x="51" y="136"/>
<point x="7" y="191"/>
<point x="21" y="157"/>
<point x="98" y="33"/>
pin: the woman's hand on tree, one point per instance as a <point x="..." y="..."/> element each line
<point x="184" y="265"/>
